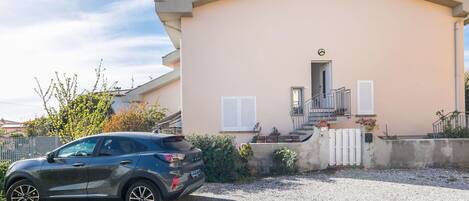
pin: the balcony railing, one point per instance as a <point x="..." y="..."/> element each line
<point x="336" y="103"/>
<point x="450" y="121"/>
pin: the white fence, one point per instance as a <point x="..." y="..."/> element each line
<point x="345" y="147"/>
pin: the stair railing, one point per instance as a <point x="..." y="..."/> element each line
<point x="333" y="104"/>
<point x="452" y="120"/>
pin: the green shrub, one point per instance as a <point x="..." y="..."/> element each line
<point x="222" y="160"/>
<point x="37" y="127"/>
<point x="245" y="151"/>
<point x="3" y="170"/>
<point x="284" y="161"/>
<point x="137" y="117"/>
<point x="459" y="132"/>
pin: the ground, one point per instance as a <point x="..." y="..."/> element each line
<point x="349" y="184"/>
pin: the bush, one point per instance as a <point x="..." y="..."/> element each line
<point x="284" y="161"/>
<point x="459" y="132"/>
<point x="222" y="161"/>
<point x="245" y="151"/>
<point x="138" y="117"/>
<point x="3" y="170"/>
<point x="16" y="134"/>
<point x="38" y="127"/>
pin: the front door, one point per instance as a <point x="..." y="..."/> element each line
<point x="67" y="176"/>
<point x="322" y="84"/>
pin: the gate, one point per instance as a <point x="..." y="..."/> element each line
<point x="345" y="147"/>
<point x="17" y="148"/>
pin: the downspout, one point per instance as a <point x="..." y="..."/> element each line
<point x="457" y="76"/>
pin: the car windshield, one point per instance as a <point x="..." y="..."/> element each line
<point x="177" y="143"/>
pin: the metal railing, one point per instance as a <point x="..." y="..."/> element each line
<point x="17" y="148"/>
<point x="335" y="103"/>
<point x="453" y="120"/>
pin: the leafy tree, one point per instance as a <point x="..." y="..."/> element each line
<point x="137" y="117"/>
<point x="37" y="127"/>
<point x="466" y="89"/>
<point x="76" y="114"/>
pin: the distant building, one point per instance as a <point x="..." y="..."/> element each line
<point x="11" y="126"/>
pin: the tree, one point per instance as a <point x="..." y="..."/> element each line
<point x="137" y="117"/>
<point x="38" y="127"/>
<point x="466" y="89"/>
<point x="76" y="114"/>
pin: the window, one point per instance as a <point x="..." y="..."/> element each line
<point x="177" y="143"/>
<point x="238" y="113"/>
<point x="365" y="97"/>
<point x="115" y="146"/>
<point x="81" y="148"/>
<point x="297" y="100"/>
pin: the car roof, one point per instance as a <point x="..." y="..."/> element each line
<point x="140" y="135"/>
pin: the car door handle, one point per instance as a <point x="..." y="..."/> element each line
<point x="78" y="164"/>
<point x="126" y="162"/>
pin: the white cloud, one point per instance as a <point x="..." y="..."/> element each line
<point x="44" y="36"/>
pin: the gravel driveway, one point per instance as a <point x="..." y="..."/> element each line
<point x="350" y="184"/>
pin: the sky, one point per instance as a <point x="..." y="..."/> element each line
<point x="40" y="37"/>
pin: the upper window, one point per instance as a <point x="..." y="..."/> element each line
<point x="177" y="143"/>
<point x="297" y="100"/>
<point x="365" y="97"/>
<point x="114" y="146"/>
<point x="81" y="148"/>
<point x="238" y="113"/>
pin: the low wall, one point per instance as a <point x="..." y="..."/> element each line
<point x="313" y="154"/>
<point x="416" y="153"/>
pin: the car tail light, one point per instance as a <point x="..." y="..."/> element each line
<point x="171" y="157"/>
<point x="175" y="183"/>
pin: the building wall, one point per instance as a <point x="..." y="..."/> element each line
<point x="168" y="96"/>
<point x="262" y="48"/>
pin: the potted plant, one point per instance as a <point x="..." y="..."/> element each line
<point x="275" y="132"/>
<point x="323" y="125"/>
<point x="368" y="124"/>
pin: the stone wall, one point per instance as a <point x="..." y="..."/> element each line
<point x="416" y="153"/>
<point x="313" y="154"/>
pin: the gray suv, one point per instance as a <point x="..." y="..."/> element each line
<point x="127" y="166"/>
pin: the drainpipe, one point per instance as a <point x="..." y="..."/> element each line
<point x="457" y="76"/>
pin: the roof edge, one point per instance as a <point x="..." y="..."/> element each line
<point x="171" y="58"/>
<point x="135" y="94"/>
<point x="170" y="13"/>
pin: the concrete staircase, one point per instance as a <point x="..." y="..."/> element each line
<point x="313" y="119"/>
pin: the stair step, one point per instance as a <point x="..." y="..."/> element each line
<point x="324" y="110"/>
<point x="315" y="120"/>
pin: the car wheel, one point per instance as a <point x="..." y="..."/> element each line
<point x="143" y="191"/>
<point x="23" y="190"/>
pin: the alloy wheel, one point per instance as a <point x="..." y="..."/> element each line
<point x="141" y="193"/>
<point x="25" y="193"/>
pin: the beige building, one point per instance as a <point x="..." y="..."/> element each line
<point x="164" y="90"/>
<point x="11" y="126"/>
<point x="290" y="63"/>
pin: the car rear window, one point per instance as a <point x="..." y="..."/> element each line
<point x="177" y="143"/>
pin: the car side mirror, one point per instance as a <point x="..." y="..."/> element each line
<point x="50" y="157"/>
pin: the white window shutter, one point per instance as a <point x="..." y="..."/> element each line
<point x="248" y="113"/>
<point x="238" y="113"/>
<point x="230" y="110"/>
<point x="365" y="97"/>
